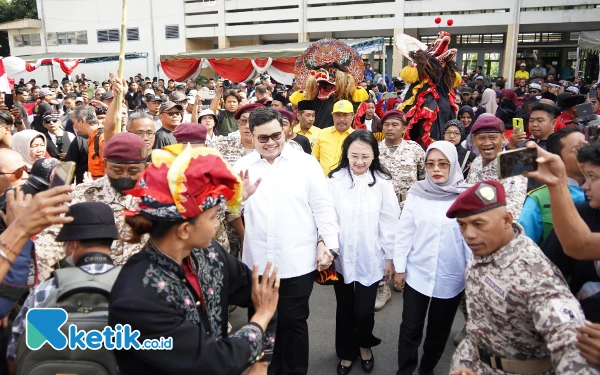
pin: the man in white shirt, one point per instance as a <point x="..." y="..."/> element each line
<point x="284" y="228"/>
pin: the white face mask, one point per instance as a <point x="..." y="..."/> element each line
<point x="538" y="65"/>
<point x="69" y="258"/>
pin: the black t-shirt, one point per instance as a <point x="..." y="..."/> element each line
<point x="304" y="142"/>
<point x="323" y="116"/>
<point x="78" y="152"/>
<point x="39" y="111"/>
<point x="163" y="138"/>
<point x="133" y="100"/>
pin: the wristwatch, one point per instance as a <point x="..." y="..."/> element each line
<point x="334" y="254"/>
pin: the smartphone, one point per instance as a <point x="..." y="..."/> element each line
<point x="9" y="100"/>
<point x="63" y="174"/>
<point x="90" y="90"/>
<point x="518" y="126"/>
<point x="516" y="162"/>
<point x="390" y="95"/>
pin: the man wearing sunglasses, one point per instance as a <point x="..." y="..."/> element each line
<point x="281" y="226"/>
<point x="60" y="139"/>
<point x="13" y="171"/>
<point x="170" y="115"/>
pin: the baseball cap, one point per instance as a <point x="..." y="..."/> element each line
<point x="343" y="106"/>
<point x="177" y="96"/>
<point x="169" y="105"/>
<point x="523" y="64"/>
<point x="191" y="99"/>
<point x="148" y="92"/>
<point x="45" y="91"/>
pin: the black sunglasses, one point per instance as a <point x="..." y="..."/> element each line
<point x="265" y="138"/>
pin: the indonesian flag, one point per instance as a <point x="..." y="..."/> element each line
<point x="4" y="84"/>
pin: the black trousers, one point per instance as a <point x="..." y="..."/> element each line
<point x="354" y="318"/>
<point x="290" y="355"/>
<point x="439" y="325"/>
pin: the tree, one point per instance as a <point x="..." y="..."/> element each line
<point x="11" y="10"/>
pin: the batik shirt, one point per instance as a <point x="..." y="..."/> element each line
<point x="520" y="307"/>
<point x="515" y="187"/>
<point x="156" y="296"/>
<point x="49" y="252"/>
<point x="406" y="164"/>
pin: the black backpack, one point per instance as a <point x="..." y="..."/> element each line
<point x="85" y="297"/>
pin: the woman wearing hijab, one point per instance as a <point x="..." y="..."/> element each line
<point x="367" y="211"/>
<point x="467" y="117"/>
<point x="30" y="144"/>
<point x="488" y="101"/>
<point x="430" y="257"/>
<point x="181" y="283"/>
<point x="454" y="132"/>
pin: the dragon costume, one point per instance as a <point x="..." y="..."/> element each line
<point x="328" y="71"/>
<point x="432" y="75"/>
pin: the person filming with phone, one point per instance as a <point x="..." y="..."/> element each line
<point x="225" y="116"/>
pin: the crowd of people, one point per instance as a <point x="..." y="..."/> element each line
<point x="228" y="194"/>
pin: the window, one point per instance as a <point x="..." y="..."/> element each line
<point x="133" y="34"/>
<point x="491" y="64"/>
<point x="66" y="38"/>
<point x="172" y="32"/>
<point x="109" y="35"/>
<point x="27" y="40"/>
<point x="469" y="61"/>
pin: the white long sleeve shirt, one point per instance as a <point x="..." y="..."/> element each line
<point x="430" y="248"/>
<point x="368" y="217"/>
<point x="283" y="215"/>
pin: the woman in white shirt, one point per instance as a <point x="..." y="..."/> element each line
<point x="209" y="119"/>
<point x="367" y="211"/>
<point x="430" y="256"/>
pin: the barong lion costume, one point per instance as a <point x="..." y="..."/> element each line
<point x="432" y="75"/>
<point x="326" y="72"/>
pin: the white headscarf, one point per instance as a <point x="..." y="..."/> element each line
<point x="488" y="101"/>
<point x="450" y="189"/>
<point x="21" y="143"/>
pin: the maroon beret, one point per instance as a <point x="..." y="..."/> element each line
<point x="286" y="114"/>
<point x="246" y="108"/>
<point x="481" y="197"/>
<point x="487" y="124"/>
<point x="190" y="132"/>
<point x="394" y="114"/>
<point x="126" y="148"/>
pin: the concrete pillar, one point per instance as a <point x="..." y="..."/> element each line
<point x="397" y="58"/>
<point x="303" y="38"/>
<point x="223" y="38"/>
<point x="510" y="53"/>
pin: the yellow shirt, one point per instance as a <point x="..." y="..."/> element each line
<point x="520" y="74"/>
<point x="312" y="134"/>
<point x="328" y="147"/>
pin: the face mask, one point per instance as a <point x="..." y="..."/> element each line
<point x="538" y="65"/>
<point x="69" y="258"/>
<point x="122" y="184"/>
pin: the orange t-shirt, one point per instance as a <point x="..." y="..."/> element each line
<point x="96" y="163"/>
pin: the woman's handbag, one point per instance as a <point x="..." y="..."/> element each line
<point x="328" y="276"/>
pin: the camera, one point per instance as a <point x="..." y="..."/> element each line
<point x="226" y="84"/>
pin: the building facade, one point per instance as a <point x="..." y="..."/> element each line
<point x="497" y="35"/>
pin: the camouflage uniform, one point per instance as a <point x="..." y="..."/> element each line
<point x="49" y="252"/>
<point x="516" y="187"/>
<point x="406" y="164"/>
<point x="520" y="308"/>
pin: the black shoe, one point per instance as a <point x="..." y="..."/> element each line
<point x="368" y="364"/>
<point x="343" y="370"/>
<point x="421" y="372"/>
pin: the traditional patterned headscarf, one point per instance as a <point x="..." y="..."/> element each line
<point x="182" y="182"/>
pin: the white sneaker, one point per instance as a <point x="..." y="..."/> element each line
<point x="384" y="295"/>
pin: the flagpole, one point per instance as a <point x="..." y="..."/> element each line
<point x="121" y="64"/>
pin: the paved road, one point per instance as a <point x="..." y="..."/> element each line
<point x="321" y="323"/>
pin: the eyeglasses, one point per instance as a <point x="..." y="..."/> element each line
<point x="173" y="114"/>
<point x="265" y="138"/>
<point x="141" y="134"/>
<point x="50" y="121"/>
<point x="243" y="122"/>
<point x="18" y="173"/>
<point x="441" y="164"/>
<point x="355" y="157"/>
<point x="454" y="134"/>
<point x="487" y="137"/>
